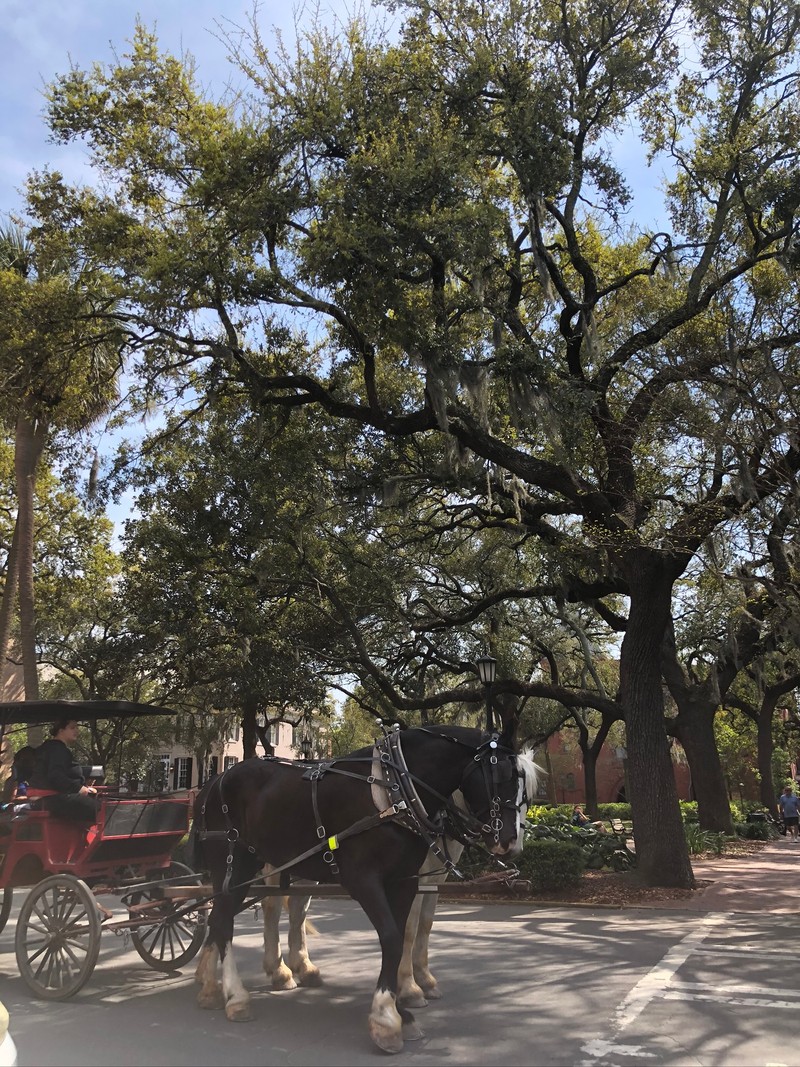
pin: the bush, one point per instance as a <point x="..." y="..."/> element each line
<point x="614" y="811"/>
<point x="552" y="864"/>
<point x="689" y="811"/>
<point x="756" y="831"/>
<point x="699" y="840"/>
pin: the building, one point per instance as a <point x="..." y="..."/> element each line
<point x="180" y="769"/>
<point x="564" y="782"/>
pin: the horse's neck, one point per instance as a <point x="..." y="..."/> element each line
<point x="439" y="766"/>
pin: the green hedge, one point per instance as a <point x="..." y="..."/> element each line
<point x="549" y="813"/>
<point x="552" y="864"/>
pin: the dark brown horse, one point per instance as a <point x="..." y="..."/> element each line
<point x="365" y="820"/>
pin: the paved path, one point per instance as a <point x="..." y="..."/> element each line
<point x="766" y="882"/>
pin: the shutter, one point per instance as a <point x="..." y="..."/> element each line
<point x="175" y="765"/>
<point x="189" y="762"/>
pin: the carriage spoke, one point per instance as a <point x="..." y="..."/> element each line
<point x="173" y="938"/>
<point x="58" y="937"/>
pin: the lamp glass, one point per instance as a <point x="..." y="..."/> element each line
<point x="487" y="669"/>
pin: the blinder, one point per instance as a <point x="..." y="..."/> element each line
<point x="499" y="769"/>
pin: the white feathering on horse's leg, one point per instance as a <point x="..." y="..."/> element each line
<point x="237" y="999"/>
<point x="272" y="961"/>
<point x="210" y="993"/>
<point x="305" y="972"/>
<point x="385" y="1024"/>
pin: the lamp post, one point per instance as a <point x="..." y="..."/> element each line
<point x="306" y="745"/>
<point x="487" y="671"/>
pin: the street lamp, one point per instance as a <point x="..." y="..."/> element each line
<point x="487" y="671"/>
<point x="306" y="744"/>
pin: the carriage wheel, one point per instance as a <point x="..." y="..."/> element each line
<point x="173" y="939"/>
<point x="5" y="907"/>
<point x="58" y="937"/>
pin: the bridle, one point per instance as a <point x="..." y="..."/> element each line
<point x="497" y="765"/>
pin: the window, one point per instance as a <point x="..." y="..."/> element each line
<point x="229" y="762"/>
<point x="233" y="733"/>
<point x="183" y="772"/>
<point x="273" y="734"/>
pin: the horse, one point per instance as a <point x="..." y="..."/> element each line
<point x="368" y="831"/>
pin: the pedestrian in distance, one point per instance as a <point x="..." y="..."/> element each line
<point x="789" y="805"/>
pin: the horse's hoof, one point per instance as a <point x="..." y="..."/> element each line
<point x="237" y="1012"/>
<point x="433" y="993"/>
<point x="282" y="978"/>
<point x="310" y="978"/>
<point x="412" y="1032"/>
<point x="386" y="1040"/>
<point x="212" y="1000"/>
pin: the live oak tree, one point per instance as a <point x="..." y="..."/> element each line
<point x="427" y="237"/>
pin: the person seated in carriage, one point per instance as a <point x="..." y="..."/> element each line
<point x="56" y="771"/>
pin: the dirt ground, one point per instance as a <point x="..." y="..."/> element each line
<point x="595" y="887"/>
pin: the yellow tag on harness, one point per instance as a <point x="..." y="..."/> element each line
<point x="333" y="842"/>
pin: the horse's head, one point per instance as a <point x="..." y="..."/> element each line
<point x="498" y="785"/>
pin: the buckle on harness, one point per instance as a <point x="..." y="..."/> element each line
<point x="393" y="809"/>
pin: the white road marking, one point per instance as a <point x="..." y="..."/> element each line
<point x="653" y="984"/>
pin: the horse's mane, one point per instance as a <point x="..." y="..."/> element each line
<point x="531" y="770"/>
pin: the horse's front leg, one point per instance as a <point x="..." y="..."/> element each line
<point x="306" y="973"/>
<point x="210" y="993"/>
<point x="273" y="964"/>
<point x="423" y="979"/>
<point x="388" y="912"/>
<point x="234" y="997"/>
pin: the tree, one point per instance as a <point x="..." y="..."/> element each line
<point x="60" y="359"/>
<point x="445" y="210"/>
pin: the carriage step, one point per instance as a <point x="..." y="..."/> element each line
<point x="187" y="892"/>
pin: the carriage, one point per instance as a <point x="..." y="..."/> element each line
<point x="65" y="866"/>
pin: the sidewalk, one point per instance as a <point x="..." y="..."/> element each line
<point x="768" y="882"/>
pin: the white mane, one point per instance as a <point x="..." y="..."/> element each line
<point x="531" y="771"/>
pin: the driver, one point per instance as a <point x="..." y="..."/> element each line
<point x="55" y="769"/>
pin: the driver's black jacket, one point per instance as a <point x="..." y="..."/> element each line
<point x="55" y="768"/>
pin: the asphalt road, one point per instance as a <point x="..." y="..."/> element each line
<point x="534" y="987"/>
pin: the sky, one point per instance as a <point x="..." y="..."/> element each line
<point x="43" y="38"/>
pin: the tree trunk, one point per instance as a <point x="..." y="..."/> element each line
<point x="768" y="793"/>
<point x="695" y="731"/>
<point x="591" y="754"/>
<point x="249" y="733"/>
<point x="8" y="601"/>
<point x="28" y="445"/>
<point x="661" y="850"/>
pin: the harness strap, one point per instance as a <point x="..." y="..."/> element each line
<point x="332" y="842"/>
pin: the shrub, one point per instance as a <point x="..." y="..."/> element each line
<point x="552" y="864"/>
<point x="756" y="831"/>
<point x="614" y="811"/>
<point x="689" y="811"/>
<point x="699" y="840"/>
